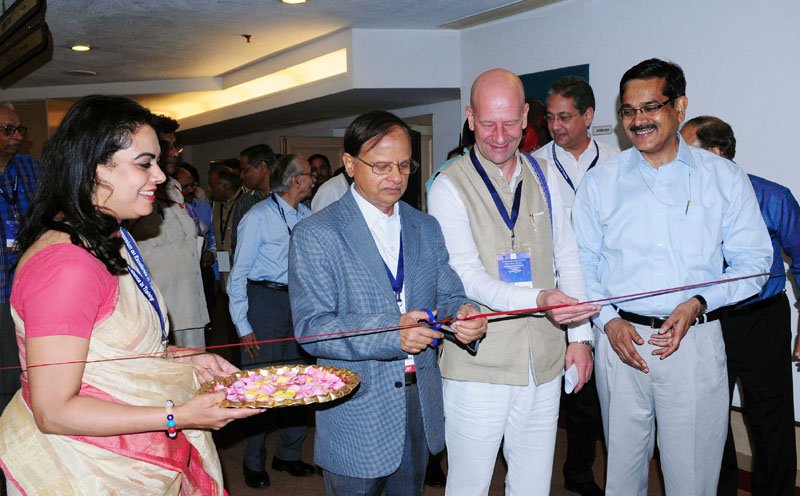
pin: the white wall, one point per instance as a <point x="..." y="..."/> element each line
<point x="447" y="120"/>
<point x="740" y="58"/>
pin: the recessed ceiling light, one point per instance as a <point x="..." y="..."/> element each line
<point x="80" y="47"/>
<point x="80" y="72"/>
<point x="293" y="2"/>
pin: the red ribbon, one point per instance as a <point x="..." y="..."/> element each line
<point x="447" y="320"/>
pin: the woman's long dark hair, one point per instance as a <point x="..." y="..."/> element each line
<point x="93" y="130"/>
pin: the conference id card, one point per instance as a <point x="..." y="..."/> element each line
<point x="515" y="267"/>
<point x="224" y="261"/>
<point x="11" y="229"/>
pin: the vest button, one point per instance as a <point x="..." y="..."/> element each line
<point x="398" y="384"/>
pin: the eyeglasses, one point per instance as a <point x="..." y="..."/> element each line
<point x="187" y="187"/>
<point x="406" y="167"/>
<point x="10" y="129"/>
<point x="563" y="117"/>
<point x="312" y="174"/>
<point x="649" y="109"/>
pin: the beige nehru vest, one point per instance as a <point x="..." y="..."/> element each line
<point x="511" y="343"/>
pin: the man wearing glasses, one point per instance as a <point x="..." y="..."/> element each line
<point x="391" y="274"/>
<point x="508" y="235"/>
<point x="19" y="176"/>
<point x="665" y="215"/>
<point x="573" y="152"/>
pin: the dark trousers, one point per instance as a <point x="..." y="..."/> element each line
<point x="270" y="316"/>
<point x="581" y="414"/>
<point x="408" y="479"/>
<point x="9" y="357"/>
<point x="758" y="346"/>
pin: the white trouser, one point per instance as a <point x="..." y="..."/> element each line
<point x="479" y="415"/>
<point x="686" y="394"/>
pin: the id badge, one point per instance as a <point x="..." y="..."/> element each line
<point x="224" y="261"/>
<point x="11" y="229"/>
<point x="515" y="267"/>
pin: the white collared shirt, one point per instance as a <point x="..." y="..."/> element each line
<point x="385" y="230"/>
<point x="575" y="169"/>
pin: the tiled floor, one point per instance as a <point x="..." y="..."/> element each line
<point x="229" y="444"/>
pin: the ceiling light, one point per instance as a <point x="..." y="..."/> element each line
<point x="80" y="72"/>
<point x="293" y="2"/>
<point x="310" y="71"/>
<point x="80" y="47"/>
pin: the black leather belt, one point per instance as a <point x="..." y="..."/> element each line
<point x="411" y="378"/>
<point x="721" y="313"/>
<point x="269" y="284"/>
<point x="657" y="322"/>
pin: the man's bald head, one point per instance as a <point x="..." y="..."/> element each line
<point x="497" y="113"/>
<point x="495" y="80"/>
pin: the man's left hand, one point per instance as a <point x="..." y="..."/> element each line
<point x="570" y="313"/>
<point x="580" y="355"/>
<point x="468" y="331"/>
<point x="669" y="336"/>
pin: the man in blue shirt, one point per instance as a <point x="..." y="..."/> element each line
<point x="259" y="306"/>
<point x="657" y="216"/>
<point x="19" y="176"/>
<point x="758" y="334"/>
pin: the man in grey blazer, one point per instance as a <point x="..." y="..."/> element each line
<point x="392" y="263"/>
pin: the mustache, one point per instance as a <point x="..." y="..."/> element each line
<point x="641" y="127"/>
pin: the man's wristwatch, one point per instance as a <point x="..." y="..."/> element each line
<point x="588" y="343"/>
<point x="703" y="304"/>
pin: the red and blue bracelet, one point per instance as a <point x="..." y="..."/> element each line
<point x="171" y="430"/>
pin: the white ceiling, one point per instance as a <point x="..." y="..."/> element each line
<point x="139" y="40"/>
<point x="147" y="42"/>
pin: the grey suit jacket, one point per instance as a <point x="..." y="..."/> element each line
<point x="363" y="434"/>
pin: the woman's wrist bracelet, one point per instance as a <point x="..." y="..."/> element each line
<point x="171" y="430"/>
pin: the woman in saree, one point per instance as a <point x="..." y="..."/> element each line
<point x="106" y="406"/>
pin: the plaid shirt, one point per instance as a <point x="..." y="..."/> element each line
<point x="23" y="171"/>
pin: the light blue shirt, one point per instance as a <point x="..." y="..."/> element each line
<point x="262" y="252"/>
<point x="643" y="229"/>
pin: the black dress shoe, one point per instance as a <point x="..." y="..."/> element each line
<point x="296" y="468"/>
<point x="434" y="476"/>
<point x="589" y="488"/>
<point x="257" y="479"/>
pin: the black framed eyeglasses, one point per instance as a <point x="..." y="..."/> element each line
<point x="10" y="129"/>
<point x="649" y="109"/>
<point x="406" y="167"/>
<point x="188" y="187"/>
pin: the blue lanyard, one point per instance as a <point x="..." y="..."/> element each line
<point x="397" y="282"/>
<point x="542" y="185"/>
<point x="13" y="198"/>
<point x="564" y="172"/>
<point x="142" y="278"/>
<point x="511" y="220"/>
<point x="280" y="211"/>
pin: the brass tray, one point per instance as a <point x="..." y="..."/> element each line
<point x="350" y="379"/>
